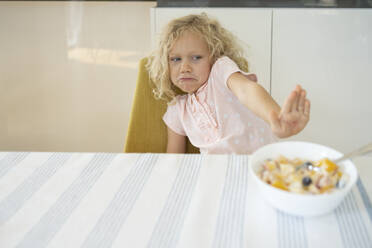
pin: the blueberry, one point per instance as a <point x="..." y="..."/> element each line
<point x="308" y="163"/>
<point x="306" y="181"/>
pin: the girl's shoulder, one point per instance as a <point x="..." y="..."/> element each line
<point x="224" y="60"/>
<point x="223" y="67"/>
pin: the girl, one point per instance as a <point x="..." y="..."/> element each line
<point x="224" y="110"/>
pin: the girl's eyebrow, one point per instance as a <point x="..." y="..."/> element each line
<point x="189" y="53"/>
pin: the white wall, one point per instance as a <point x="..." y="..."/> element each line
<point x="68" y="73"/>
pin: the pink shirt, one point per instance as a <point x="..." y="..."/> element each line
<point x="215" y="120"/>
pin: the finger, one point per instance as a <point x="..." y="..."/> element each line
<point x="296" y="102"/>
<point x="291" y="99"/>
<point x="301" y="103"/>
<point x="307" y="108"/>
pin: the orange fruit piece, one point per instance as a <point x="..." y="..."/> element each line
<point x="279" y="184"/>
<point x="328" y="165"/>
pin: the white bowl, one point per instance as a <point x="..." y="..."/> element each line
<point x="294" y="203"/>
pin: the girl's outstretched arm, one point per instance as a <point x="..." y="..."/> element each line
<point x="284" y="122"/>
<point x="176" y="143"/>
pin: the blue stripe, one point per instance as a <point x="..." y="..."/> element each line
<point x="166" y="220"/>
<point x="282" y="229"/>
<point x="243" y="193"/>
<point x="352" y="227"/>
<point x="302" y="237"/>
<point x="164" y="234"/>
<point x="226" y="202"/>
<point x="108" y="226"/>
<point x="341" y="225"/>
<point x="349" y="230"/>
<point x="304" y="234"/>
<point x="279" y="227"/>
<point x="291" y="231"/>
<point x="229" y="230"/>
<point x="15" y="200"/>
<point x="186" y="194"/>
<point x="10" y="161"/>
<point x="51" y="222"/>
<point x="168" y="228"/>
<point x="365" y="198"/>
<point x="358" y="223"/>
<point x="350" y="220"/>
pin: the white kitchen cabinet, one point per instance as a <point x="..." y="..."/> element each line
<point x="329" y="52"/>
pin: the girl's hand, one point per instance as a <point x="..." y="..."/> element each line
<point x="293" y="116"/>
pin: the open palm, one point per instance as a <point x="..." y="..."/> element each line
<point x="293" y="116"/>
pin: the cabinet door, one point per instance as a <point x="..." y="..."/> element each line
<point x="251" y="26"/>
<point x="328" y="52"/>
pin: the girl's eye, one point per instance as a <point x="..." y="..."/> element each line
<point x="197" y="57"/>
<point x="175" y="59"/>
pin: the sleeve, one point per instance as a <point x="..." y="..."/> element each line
<point x="224" y="67"/>
<point x="172" y="119"/>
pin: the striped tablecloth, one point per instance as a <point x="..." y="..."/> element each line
<point x="161" y="200"/>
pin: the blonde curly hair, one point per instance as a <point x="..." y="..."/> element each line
<point x="220" y="41"/>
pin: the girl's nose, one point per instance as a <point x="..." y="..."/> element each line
<point x="185" y="67"/>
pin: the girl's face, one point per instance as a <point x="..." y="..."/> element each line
<point x="189" y="62"/>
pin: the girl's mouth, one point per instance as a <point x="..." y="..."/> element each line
<point x="186" y="79"/>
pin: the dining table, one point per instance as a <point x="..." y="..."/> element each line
<point x="80" y="199"/>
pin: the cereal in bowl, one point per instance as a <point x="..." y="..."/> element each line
<point x="303" y="176"/>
